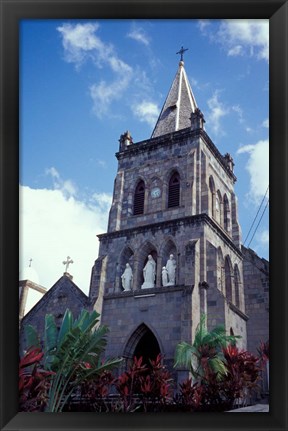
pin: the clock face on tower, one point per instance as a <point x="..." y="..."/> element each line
<point x="155" y="192"/>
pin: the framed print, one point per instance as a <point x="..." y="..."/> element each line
<point x="160" y="128"/>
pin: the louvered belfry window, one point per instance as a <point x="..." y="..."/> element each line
<point x="174" y="191"/>
<point x="139" y="198"/>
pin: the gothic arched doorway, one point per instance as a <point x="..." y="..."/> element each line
<point x="142" y="343"/>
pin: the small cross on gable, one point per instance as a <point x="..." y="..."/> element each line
<point x="67" y="263"/>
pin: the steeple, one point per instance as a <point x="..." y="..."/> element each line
<point x="179" y="105"/>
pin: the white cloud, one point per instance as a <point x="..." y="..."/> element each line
<point x="80" y="43"/>
<point x="235" y="51"/>
<point x="258" y="168"/>
<point x="203" y="24"/>
<point x="137" y="33"/>
<point x="245" y="36"/>
<point x="54" y="226"/>
<point x="66" y="186"/>
<point x="217" y="111"/>
<point x="264" y="237"/>
<point x="239" y="112"/>
<point x="103" y="94"/>
<point x="266" y="123"/>
<point x="147" y="112"/>
<point x="101" y="163"/>
<point x="103" y="200"/>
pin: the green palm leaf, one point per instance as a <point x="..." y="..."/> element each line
<point x="205" y="354"/>
<point x="31" y="337"/>
<point x="74" y="354"/>
<point x="65" y="326"/>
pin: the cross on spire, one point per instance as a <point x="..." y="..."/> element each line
<point x="181" y="52"/>
<point x="30" y="261"/>
<point x="67" y="263"/>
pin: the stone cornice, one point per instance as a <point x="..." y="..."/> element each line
<point x="178" y="137"/>
<point x="188" y="220"/>
<point x="143" y="293"/>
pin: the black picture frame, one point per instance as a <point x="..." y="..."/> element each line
<point x="13" y="11"/>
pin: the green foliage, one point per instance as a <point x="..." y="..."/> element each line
<point x="73" y="353"/>
<point x="205" y="355"/>
<point x="34" y="382"/>
<point x="32" y="338"/>
<point x="222" y="373"/>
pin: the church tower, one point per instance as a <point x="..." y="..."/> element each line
<point x="172" y="249"/>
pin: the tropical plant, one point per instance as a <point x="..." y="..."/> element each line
<point x="34" y="382"/>
<point x="205" y="357"/>
<point x="243" y="373"/>
<point x="190" y="395"/>
<point x="94" y="394"/>
<point x="128" y="383"/>
<point x="160" y="385"/>
<point x="73" y="353"/>
<point x="212" y="393"/>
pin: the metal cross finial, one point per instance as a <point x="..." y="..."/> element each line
<point x="67" y="262"/>
<point x="30" y="261"/>
<point x="181" y="52"/>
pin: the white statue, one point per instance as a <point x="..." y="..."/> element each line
<point x="164" y="276"/>
<point x="149" y="272"/>
<point x="171" y="268"/>
<point x="127" y="277"/>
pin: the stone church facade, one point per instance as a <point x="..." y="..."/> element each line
<point x="173" y="195"/>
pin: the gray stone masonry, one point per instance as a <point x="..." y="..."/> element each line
<point x="64" y="294"/>
<point x="193" y="155"/>
<point x="256" y="275"/>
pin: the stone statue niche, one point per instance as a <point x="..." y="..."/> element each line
<point x="169" y="272"/>
<point x="127" y="278"/>
<point x="164" y="276"/>
<point x="149" y="273"/>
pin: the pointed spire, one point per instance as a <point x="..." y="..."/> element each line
<point x="179" y="105"/>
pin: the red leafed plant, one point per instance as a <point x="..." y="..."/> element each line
<point x="211" y="393"/>
<point x="157" y="384"/>
<point x="243" y="373"/>
<point x="129" y="383"/>
<point x="145" y="386"/>
<point x="190" y="394"/>
<point x="94" y="393"/>
<point x="34" y="382"/>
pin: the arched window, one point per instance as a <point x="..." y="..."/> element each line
<point x="174" y="191"/>
<point x="213" y="197"/>
<point x="226" y="213"/>
<point x="139" y="197"/>
<point x="237" y="285"/>
<point x="218" y="207"/>
<point x="228" y="279"/>
<point x="220" y="270"/>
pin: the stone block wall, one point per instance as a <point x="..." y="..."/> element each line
<point x="167" y="313"/>
<point x="154" y="161"/>
<point x="256" y="282"/>
<point x="64" y="294"/>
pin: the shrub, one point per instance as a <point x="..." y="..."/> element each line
<point x="73" y="354"/>
<point x="34" y="382"/>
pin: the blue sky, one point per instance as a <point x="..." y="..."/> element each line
<point x="85" y="82"/>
